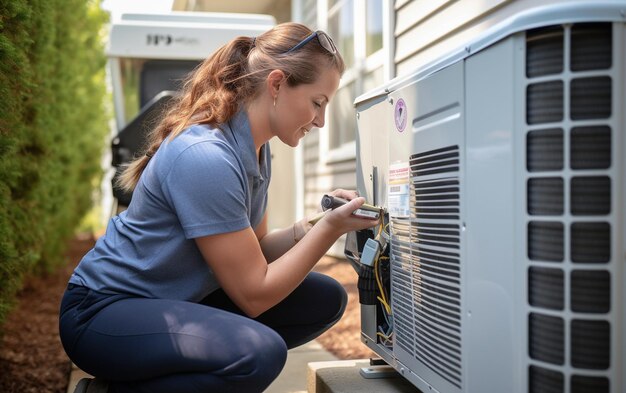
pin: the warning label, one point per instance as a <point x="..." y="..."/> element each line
<point x="398" y="190"/>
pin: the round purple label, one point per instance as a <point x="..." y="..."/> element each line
<point x="400" y="114"/>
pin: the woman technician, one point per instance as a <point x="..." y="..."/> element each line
<point x="179" y="295"/>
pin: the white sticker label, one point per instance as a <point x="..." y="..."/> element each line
<point x="398" y="190"/>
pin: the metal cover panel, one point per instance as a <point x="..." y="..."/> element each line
<point x="491" y="340"/>
<point x="426" y="247"/>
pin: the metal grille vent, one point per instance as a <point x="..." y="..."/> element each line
<point x="544" y="51"/>
<point x="591" y="147"/>
<point x="547" y="341"/>
<point x="545" y="196"/>
<point x="544" y="149"/>
<point x="427" y="278"/>
<point x="591" y="98"/>
<point x="568" y="209"/>
<point x="544" y="102"/>
<point x="591" y="291"/>
<point x="436" y="161"/>
<point x="438" y="199"/>
<point x="583" y="384"/>
<point x="591" y="344"/>
<point x="402" y="285"/>
<point x="591" y="46"/>
<point x="591" y="242"/>
<point x="545" y="287"/>
<point x="591" y="195"/>
<point x="542" y="380"/>
<point x="545" y="241"/>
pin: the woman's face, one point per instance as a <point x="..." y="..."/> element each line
<point x="300" y="108"/>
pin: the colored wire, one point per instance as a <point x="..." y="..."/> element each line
<point x="382" y="299"/>
<point x="386" y="340"/>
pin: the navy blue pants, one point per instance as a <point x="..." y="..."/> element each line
<point x="157" y="345"/>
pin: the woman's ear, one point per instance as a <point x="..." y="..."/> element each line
<point x="274" y="80"/>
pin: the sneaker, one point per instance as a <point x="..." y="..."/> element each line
<point x="82" y="385"/>
<point x="98" y="386"/>
<point x="91" y="385"/>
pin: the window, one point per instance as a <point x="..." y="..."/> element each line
<point x="373" y="26"/>
<point x="342" y="114"/>
<point x="341" y="28"/>
<point x="357" y="29"/>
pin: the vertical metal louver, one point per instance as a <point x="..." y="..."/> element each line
<point x="586" y="384"/>
<point x="402" y="282"/>
<point x="542" y="380"/>
<point x="591" y="291"/>
<point x="590" y="242"/>
<point x="544" y="102"/>
<point x="426" y="272"/>
<point x="591" y="344"/>
<point x="544" y="150"/>
<point x="545" y="241"/>
<point x="545" y="196"/>
<point x="569" y="197"/>
<point x="590" y="147"/>
<point x="545" y="288"/>
<point x="544" y="51"/>
<point x="546" y="338"/>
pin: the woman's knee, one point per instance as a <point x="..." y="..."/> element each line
<point x="264" y="359"/>
<point x="333" y="297"/>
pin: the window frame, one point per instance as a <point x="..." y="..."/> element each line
<point x="362" y="66"/>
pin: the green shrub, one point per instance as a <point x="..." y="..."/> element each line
<point x="53" y="125"/>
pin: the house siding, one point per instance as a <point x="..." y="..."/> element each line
<point x="426" y="30"/>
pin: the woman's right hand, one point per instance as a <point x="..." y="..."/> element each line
<point x="342" y="220"/>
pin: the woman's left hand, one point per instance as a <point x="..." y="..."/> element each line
<point x="345" y="194"/>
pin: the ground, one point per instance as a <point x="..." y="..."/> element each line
<point x="32" y="359"/>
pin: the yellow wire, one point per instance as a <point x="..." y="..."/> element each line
<point x="383" y="300"/>
<point x="383" y="336"/>
<point x="387" y="308"/>
<point x="381" y="221"/>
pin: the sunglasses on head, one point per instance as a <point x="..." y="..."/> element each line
<point x="324" y="39"/>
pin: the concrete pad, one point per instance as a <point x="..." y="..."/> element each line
<point x="344" y="376"/>
<point x="293" y="378"/>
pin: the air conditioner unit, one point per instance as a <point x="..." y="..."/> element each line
<point x="502" y="171"/>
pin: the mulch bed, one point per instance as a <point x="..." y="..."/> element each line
<point x="32" y="359"/>
<point x="31" y="356"/>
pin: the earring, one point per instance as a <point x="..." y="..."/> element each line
<point x="274" y="102"/>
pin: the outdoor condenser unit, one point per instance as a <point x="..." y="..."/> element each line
<point x="502" y="171"/>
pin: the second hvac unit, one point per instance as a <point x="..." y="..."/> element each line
<point x="502" y="172"/>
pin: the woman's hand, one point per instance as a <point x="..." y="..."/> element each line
<point x="345" y="194"/>
<point x="341" y="218"/>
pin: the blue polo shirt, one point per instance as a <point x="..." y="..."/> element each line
<point x="203" y="182"/>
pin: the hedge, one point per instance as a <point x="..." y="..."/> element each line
<point x="53" y="123"/>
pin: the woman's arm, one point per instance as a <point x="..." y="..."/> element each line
<point x="276" y="243"/>
<point x="242" y="270"/>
